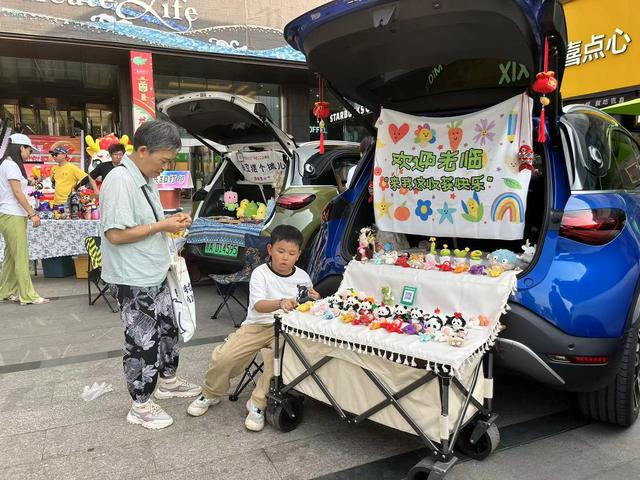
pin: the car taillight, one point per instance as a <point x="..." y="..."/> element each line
<point x="326" y="213"/>
<point x="594" y="227"/>
<point x="295" y="201"/>
<point x="581" y="359"/>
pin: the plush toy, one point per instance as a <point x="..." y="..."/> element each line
<point x="319" y="308"/>
<point x="456" y="321"/>
<point x="304" y="307"/>
<point x="73" y="205"/>
<point x="477" y="270"/>
<point x="526" y="159"/>
<point x="495" y="270"/>
<point x="303" y="294"/>
<point x="528" y="252"/>
<point x="390" y="258"/>
<point x="366" y="244"/>
<point x="461" y="268"/>
<point x="403" y="260"/>
<point x="348" y="317"/>
<point x="261" y="213"/>
<point x="401" y="312"/>
<point x="352" y="304"/>
<point x="251" y="210"/>
<point x="387" y="297"/>
<point x="416" y="260"/>
<point x="335" y="301"/>
<point x="461" y="255"/>
<point x="476" y="257"/>
<point x="434" y="323"/>
<point x="445" y="266"/>
<point x="416" y="315"/>
<point x="383" y="313"/>
<point x="231" y="200"/>
<point x="505" y="258"/>
<point x="241" y="210"/>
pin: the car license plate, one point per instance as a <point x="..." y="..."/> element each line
<point x="221" y="249"/>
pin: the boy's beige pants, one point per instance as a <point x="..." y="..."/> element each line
<point x="232" y="357"/>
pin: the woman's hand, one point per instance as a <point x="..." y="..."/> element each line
<point x="35" y="221"/>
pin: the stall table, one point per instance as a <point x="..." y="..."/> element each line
<point x="58" y="238"/>
<point x="431" y="389"/>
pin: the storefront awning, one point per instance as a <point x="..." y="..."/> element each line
<point x="632" y="107"/>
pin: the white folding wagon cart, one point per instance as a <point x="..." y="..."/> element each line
<point x="421" y="364"/>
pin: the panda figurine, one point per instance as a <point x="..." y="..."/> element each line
<point x="416" y="315"/>
<point x="365" y="307"/>
<point x="352" y="304"/>
<point x="383" y="312"/>
<point x="456" y="321"/>
<point x="434" y="323"/>
<point x="401" y="312"/>
<point x="335" y="301"/>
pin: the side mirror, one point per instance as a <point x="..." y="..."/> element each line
<point x="200" y="195"/>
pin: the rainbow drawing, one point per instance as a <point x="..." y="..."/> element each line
<point x="511" y="126"/>
<point x="507" y="203"/>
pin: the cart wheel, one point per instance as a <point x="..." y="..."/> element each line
<point x="421" y="470"/>
<point x="485" y="445"/>
<point x="285" y="415"/>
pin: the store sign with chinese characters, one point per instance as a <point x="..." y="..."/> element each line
<point x="603" y="50"/>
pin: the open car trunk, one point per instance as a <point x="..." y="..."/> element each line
<point x="437" y="59"/>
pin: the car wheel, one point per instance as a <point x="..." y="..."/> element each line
<point x="619" y="402"/>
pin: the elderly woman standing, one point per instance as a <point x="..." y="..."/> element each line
<point x="15" y="209"/>
<point x="135" y="261"/>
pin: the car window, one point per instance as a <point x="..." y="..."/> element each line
<point x="331" y="168"/>
<point x="590" y="133"/>
<point x="624" y="173"/>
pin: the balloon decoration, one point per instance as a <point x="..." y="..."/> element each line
<point x="544" y="83"/>
<point x="321" y="111"/>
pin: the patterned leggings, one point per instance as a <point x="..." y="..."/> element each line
<point x="151" y="337"/>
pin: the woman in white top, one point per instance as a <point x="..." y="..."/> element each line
<point x="15" y="209"/>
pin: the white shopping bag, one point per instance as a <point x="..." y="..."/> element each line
<point x="184" y="304"/>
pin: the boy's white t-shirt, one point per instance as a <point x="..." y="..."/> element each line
<point x="265" y="284"/>
<point x="9" y="170"/>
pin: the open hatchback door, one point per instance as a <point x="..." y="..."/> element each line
<point x="420" y="57"/>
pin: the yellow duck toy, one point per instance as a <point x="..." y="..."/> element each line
<point x="244" y="203"/>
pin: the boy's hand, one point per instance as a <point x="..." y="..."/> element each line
<point x="313" y="294"/>
<point x="288" y="304"/>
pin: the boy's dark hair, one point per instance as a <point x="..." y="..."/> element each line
<point x="288" y="234"/>
<point x="116" y="147"/>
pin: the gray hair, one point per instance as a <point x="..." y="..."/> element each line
<point x="157" y="135"/>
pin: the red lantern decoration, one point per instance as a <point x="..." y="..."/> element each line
<point x="321" y="111"/>
<point x="544" y="83"/>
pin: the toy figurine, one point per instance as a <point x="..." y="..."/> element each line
<point x="387" y="297"/>
<point x="445" y="253"/>
<point x="526" y="159"/>
<point x="410" y="329"/>
<point x="251" y="210"/>
<point x="461" y="268"/>
<point x="303" y="294"/>
<point x="461" y="255"/>
<point x="528" y="253"/>
<point x="230" y="201"/>
<point x="73" y="205"/>
<point x="457" y="339"/>
<point x="432" y="241"/>
<point x="261" y="213"/>
<point x="365" y="319"/>
<point x="416" y="315"/>
<point x="477" y="270"/>
<point x="366" y="306"/>
<point x="383" y="313"/>
<point x="445" y="266"/>
<point x="456" y="321"/>
<point x="401" y="312"/>
<point x="335" y="301"/>
<point x="348" y="317"/>
<point x="304" y="307"/>
<point x="495" y="270"/>
<point x="241" y="210"/>
<point x="475" y="257"/>
<point x="483" y="321"/>
<point x="366" y="244"/>
<point x="352" y="304"/>
<point x="430" y="263"/>
<point x="331" y="313"/>
<point x="393" y="327"/>
<point x="403" y="260"/>
<point x="505" y="258"/>
<point x="318" y="308"/>
<point x="416" y="260"/>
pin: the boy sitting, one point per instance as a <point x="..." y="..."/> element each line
<point x="273" y="287"/>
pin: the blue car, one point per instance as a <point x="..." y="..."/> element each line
<point x="573" y="322"/>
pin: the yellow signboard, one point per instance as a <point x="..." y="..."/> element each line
<point x="604" y="46"/>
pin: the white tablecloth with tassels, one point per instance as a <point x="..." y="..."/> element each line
<point x="471" y="295"/>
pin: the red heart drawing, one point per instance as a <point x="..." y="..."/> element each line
<point x="398" y="133"/>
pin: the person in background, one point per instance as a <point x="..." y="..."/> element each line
<point x="273" y="288"/>
<point x="67" y="176"/>
<point x="116" y="151"/>
<point x="135" y="262"/>
<point x="15" y="209"/>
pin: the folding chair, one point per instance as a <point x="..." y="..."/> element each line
<point x="227" y="285"/>
<point x="92" y="244"/>
<point x="249" y="376"/>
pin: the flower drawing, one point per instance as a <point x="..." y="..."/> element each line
<point x="484" y="133"/>
<point x="424" y="210"/>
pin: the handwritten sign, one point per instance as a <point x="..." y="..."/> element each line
<point x="457" y="177"/>
<point x="259" y="167"/>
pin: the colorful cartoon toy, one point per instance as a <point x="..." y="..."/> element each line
<point x="352" y="304"/>
<point x="432" y="241"/>
<point x="348" y="317"/>
<point x="526" y="159"/>
<point x="434" y="322"/>
<point x="445" y="266"/>
<point x="261" y="214"/>
<point x="383" y="312"/>
<point x="445" y="253"/>
<point x="476" y="257"/>
<point x="477" y="270"/>
<point x="495" y="270"/>
<point x="456" y="321"/>
<point x="461" y="268"/>
<point x="304" y="307"/>
<point x="505" y="258"/>
<point x="387" y="297"/>
<point x="366" y="244"/>
<point x="416" y="260"/>
<point x="403" y="260"/>
<point x="401" y="312"/>
<point x="528" y="253"/>
<point x="231" y="200"/>
<point x="461" y="255"/>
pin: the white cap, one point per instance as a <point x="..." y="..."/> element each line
<point x="22" y="139"/>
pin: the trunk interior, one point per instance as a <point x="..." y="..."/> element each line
<point x="535" y="226"/>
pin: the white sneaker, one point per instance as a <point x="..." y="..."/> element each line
<point x="255" y="418"/>
<point x="200" y="405"/>
<point x="176" y="388"/>
<point x="150" y="415"/>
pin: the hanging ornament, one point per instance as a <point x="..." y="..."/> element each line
<point x="544" y="83"/>
<point x="321" y="111"/>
